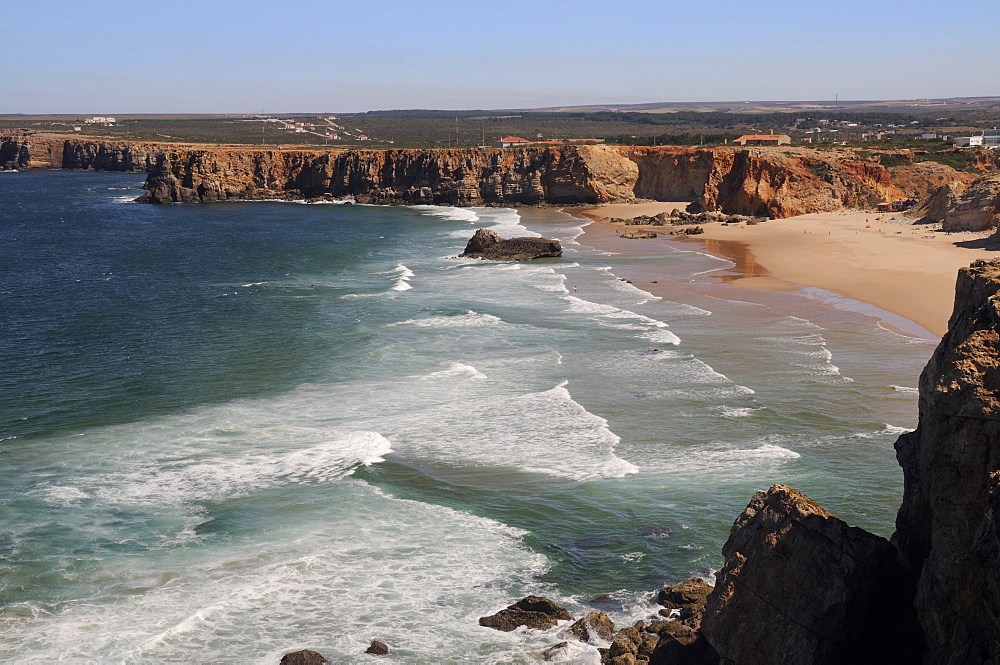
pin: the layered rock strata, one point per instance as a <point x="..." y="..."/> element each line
<point x="764" y="182"/>
<point x="754" y="182"/>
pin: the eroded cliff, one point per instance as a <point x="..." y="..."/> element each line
<point x="26" y="151"/>
<point x="731" y="180"/>
<point x="948" y="528"/>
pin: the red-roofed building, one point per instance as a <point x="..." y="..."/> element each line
<point x="509" y="141"/>
<point x="764" y="139"/>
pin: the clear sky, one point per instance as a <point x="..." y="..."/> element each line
<point x="224" y="56"/>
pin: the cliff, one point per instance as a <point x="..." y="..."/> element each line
<point x="799" y="586"/>
<point x="771" y="182"/>
<point x="948" y="528"/>
<point x="731" y="180"/>
<point x="26" y="151"/>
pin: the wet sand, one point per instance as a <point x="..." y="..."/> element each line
<point x="884" y="261"/>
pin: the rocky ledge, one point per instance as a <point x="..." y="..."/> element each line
<point x="486" y="244"/>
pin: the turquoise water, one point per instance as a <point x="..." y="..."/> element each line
<point x="234" y="430"/>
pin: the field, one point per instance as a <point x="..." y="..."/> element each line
<point x="877" y="126"/>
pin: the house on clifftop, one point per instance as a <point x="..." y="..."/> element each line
<point x="764" y="139"/>
<point x="510" y="141"/>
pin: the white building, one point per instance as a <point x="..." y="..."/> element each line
<point x="988" y="139"/>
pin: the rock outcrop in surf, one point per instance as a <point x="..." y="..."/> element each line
<point x="486" y="244"/>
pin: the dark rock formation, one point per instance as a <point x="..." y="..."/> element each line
<point x="486" y="244"/>
<point x="800" y="586"/>
<point x="689" y="598"/>
<point x="948" y="528"/>
<point x="304" y="657"/>
<point x="14" y="153"/>
<point x="533" y="612"/>
<point x="377" y="648"/>
<point x="556" y="651"/>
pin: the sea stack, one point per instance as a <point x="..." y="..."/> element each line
<point x="486" y="244"/>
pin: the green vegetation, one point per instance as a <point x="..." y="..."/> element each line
<point x="416" y="128"/>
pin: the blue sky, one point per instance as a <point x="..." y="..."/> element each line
<point x="231" y="57"/>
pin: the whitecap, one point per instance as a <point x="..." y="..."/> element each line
<point x="468" y="319"/>
<point x="456" y="370"/>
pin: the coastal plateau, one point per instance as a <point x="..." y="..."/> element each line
<point x="751" y="181"/>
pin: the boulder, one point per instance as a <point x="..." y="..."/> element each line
<point x="594" y="625"/>
<point x="801" y="587"/>
<point x="689" y="597"/>
<point x="556" y="652"/>
<point x="486" y="244"/>
<point x="304" y="657"/>
<point x="377" y="648"/>
<point x="532" y="612"/>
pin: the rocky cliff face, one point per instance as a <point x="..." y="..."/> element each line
<point x="963" y="206"/>
<point x="753" y="182"/>
<point x="948" y="528"/>
<point x="54" y="152"/>
<point x="801" y="587"/>
<point x="776" y="183"/>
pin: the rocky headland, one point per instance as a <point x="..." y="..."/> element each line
<point x="744" y="181"/>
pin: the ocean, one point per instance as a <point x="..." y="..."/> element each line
<point x="234" y="430"/>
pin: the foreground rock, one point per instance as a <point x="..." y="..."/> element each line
<point x="800" y="586"/>
<point x="533" y="612"/>
<point x="486" y="244"/>
<point x="948" y="528"/>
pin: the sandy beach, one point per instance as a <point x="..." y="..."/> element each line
<point x="882" y="260"/>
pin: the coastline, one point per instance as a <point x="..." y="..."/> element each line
<point x="897" y="269"/>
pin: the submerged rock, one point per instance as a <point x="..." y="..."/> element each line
<point x="486" y="244"/>
<point x="532" y="612"/>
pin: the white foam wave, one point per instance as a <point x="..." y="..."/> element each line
<point x="905" y="389"/>
<point x="403" y="281"/>
<point x="731" y="461"/>
<point x="887" y="430"/>
<point x="609" y="313"/>
<point x="449" y="212"/>
<point x="200" y="477"/>
<point x="434" y="566"/>
<point x="469" y="319"/>
<point x="662" y="336"/>
<point x="737" y="412"/>
<point x="457" y="369"/>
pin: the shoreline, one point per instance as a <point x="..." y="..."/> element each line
<point x="901" y="273"/>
